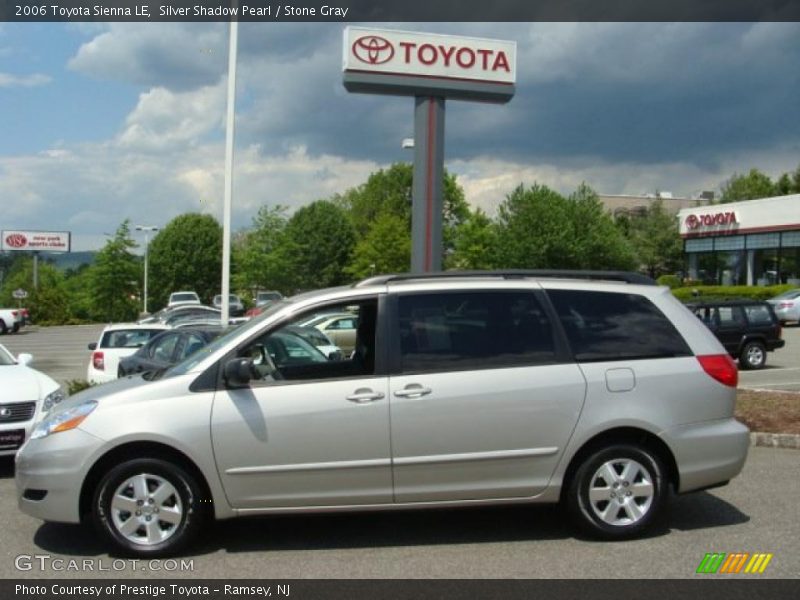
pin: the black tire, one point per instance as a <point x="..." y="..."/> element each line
<point x="186" y="499"/>
<point x="753" y="356"/>
<point x="3" y="328"/>
<point x="15" y="329"/>
<point x="619" y="524"/>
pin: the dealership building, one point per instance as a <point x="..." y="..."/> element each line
<point x="755" y="242"/>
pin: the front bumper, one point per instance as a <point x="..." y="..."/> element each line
<point x="708" y="453"/>
<point x="57" y="466"/>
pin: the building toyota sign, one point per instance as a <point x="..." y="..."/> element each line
<point x="397" y="62"/>
<point x="711" y="219"/>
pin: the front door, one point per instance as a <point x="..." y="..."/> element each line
<point x="311" y="432"/>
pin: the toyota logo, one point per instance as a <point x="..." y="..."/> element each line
<point x="5" y="413"/>
<point x="16" y="240"/>
<point x="373" y="50"/>
<point x="692" y="222"/>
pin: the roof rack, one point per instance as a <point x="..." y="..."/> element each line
<point x="620" y="276"/>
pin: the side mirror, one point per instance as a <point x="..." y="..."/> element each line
<point x="239" y="372"/>
<point x="25" y="359"/>
<point x="92" y="346"/>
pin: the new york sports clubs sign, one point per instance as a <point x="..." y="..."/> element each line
<point x="49" y="241"/>
<point x="397" y="62"/>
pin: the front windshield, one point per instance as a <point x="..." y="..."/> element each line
<point x="5" y="357"/>
<point x="195" y="359"/>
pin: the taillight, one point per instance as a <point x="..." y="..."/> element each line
<point x="14" y="313"/>
<point x="98" y="361"/>
<point x="786" y="305"/>
<point x="721" y="367"/>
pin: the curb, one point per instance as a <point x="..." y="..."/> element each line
<point x="775" y="440"/>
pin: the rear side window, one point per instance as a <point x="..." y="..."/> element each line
<point x="473" y="330"/>
<point x="128" y="338"/>
<point x="604" y="326"/>
<point x="758" y="314"/>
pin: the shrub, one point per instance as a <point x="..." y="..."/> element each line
<point x="77" y="385"/>
<point x="729" y="292"/>
<point x="671" y="281"/>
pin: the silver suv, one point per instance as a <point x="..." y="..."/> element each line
<point x="597" y="390"/>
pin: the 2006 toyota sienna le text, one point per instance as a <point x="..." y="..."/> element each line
<point x="598" y="390"/>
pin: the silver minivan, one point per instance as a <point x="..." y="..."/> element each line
<point x="597" y="390"/>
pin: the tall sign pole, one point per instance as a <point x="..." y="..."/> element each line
<point x="432" y="68"/>
<point x="226" y="211"/>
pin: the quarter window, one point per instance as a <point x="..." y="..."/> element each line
<point x="604" y="326"/>
<point x="473" y="330"/>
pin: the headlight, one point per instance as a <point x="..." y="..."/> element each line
<point x="52" y="399"/>
<point x="63" y="421"/>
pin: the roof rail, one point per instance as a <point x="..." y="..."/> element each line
<point x="620" y="276"/>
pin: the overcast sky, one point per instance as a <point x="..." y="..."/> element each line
<point x="102" y="122"/>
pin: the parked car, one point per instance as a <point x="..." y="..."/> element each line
<point x="319" y="340"/>
<point x="235" y="304"/>
<point x="340" y="328"/>
<point x="190" y="313"/>
<point x="265" y="297"/>
<point x="598" y="390"/>
<point x="117" y="341"/>
<point x="27" y="396"/>
<point x="747" y="328"/>
<point x="182" y="299"/>
<point x="787" y="306"/>
<point x="166" y="349"/>
<point x="11" y="319"/>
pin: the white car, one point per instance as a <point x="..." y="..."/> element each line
<point x="183" y="299"/>
<point x="787" y="306"/>
<point x="117" y="341"/>
<point x="26" y="396"/>
<point x="11" y="319"/>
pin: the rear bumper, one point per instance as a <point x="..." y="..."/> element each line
<point x="708" y="453"/>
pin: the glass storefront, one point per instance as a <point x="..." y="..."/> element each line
<point x="756" y="259"/>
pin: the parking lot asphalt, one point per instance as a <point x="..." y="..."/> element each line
<point x="757" y="512"/>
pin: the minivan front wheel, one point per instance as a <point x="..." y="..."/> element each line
<point x="617" y="492"/>
<point x="754" y="356"/>
<point x="147" y="507"/>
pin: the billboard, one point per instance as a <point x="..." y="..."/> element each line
<point x="47" y="241"/>
<point x="415" y="63"/>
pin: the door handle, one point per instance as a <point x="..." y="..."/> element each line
<point x="413" y="390"/>
<point x="364" y="395"/>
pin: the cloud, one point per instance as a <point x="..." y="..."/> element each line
<point x="8" y="80"/>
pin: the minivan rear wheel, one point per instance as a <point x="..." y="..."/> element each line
<point x="753" y="356"/>
<point x="617" y="492"/>
<point x="148" y="507"/>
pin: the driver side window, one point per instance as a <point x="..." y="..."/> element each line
<point x="301" y="350"/>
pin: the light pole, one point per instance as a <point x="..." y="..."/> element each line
<point x="147" y="229"/>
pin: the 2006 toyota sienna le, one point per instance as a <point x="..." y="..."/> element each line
<point x="598" y="390"/>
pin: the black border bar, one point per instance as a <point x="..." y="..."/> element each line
<point x="401" y="10"/>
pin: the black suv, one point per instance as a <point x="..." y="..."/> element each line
<point x="747" y="328"/>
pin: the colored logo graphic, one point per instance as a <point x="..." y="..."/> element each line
<point x="373" y="49"/>
<point x="16" y="240"/>
<point x="734" y="563"/>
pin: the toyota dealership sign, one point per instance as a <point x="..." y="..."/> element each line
<point x="48" y="241"/>
<point x="398" y="62"/>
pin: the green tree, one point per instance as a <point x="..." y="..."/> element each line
<point x="474" y="243"/>
<point x="748" y="187"/>
<point x="186" y="255"/>
<point x="48" y="303"/>
<point x="385" y="249"/>
<point x="539" y="228"/>
<point x="319" y="241"/>
<point x="263" y="255"/>
<point x="656" y="241"/>
<point x="114" y="279"/>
